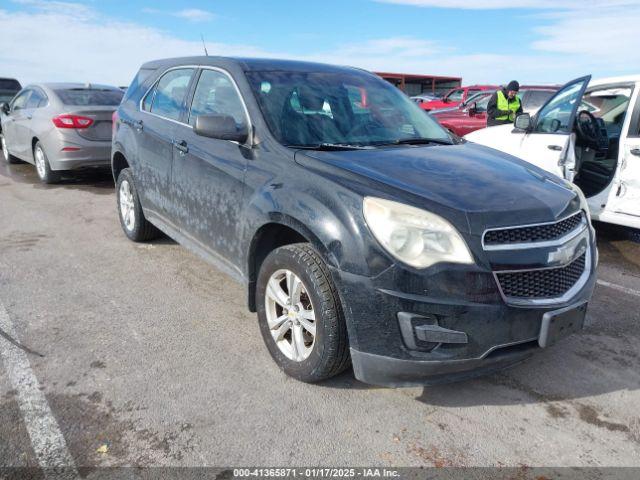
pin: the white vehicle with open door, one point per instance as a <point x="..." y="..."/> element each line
<point x="588" y="133"/>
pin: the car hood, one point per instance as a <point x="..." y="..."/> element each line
<point x="472" y="186"/>
<point x="492" y="137"/>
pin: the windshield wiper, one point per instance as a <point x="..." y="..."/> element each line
<point x="420" y="141"/>
<point x="330" y="146"/>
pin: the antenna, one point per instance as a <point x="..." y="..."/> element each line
<point x="204" y="45"/>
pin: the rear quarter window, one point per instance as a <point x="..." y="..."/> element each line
<point x="90" y="96"/>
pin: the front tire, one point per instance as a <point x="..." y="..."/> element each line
<point x="43" y="168"/>
<point x="300" y="314"/>
<point x="8" y="158"/>
<point x="132" y="218"/>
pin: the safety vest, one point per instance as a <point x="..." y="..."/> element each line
<point x="504" y="104"/>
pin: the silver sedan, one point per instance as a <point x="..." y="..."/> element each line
<point x="59" y="126"/>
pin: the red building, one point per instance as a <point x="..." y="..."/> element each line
<point x="413" y="84"/>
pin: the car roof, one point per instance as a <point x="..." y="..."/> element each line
<point x="486" y="87"/>
<point x="248" y="64"/>
<point x="621" y="79"/>
<point x="540" y="87"/>
<point x="69" y="85"/>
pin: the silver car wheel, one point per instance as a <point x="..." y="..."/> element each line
<point x="5" y="149"/>
<point x="40" y="162"/>
<point x="127" y="210"/>
<point x="290" y="315"/>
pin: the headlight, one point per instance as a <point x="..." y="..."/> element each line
<point x="583" y="202"/>
<point x="414" y="236"/>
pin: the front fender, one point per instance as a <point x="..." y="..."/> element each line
<point x="331" y="220"/>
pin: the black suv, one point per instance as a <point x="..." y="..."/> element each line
<point x="363" y="231"/>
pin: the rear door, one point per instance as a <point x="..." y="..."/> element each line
<point x="550" y="144"/>
<point x="208" y="174"/>
<point x="161" y="111"/>
<point x="625" y="195"/>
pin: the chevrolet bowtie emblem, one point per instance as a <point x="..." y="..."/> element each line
<point x="566" y="253"/>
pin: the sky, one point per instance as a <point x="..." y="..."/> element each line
<point x="482" y="41"/>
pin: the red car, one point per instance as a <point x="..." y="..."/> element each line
<point x="471" y="115"/>
<point x="456" y="96"/>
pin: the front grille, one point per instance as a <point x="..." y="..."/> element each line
<point x="537" y="233"/>
<point x="542" y="284"/>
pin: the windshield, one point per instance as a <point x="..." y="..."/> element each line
<point x="90" y="96"/>
<point x="610" y="105"/>
<point x="352" y="108"/>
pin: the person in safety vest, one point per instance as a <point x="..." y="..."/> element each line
<point x="504" y="105"/>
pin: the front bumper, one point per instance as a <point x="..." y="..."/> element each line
<point x="463" y="306"/>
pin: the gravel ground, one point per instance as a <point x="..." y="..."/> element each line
<point x="147" y="356"/>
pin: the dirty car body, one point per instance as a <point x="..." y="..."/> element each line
<point x="529" y="245"/>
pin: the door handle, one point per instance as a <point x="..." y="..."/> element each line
<point x="29" y="117"/>
<point x="555" y="148"/>
<point x="635" y="151"/>
<point x="181" y="146"/>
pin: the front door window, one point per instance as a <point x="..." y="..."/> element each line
<point x="557" y="115"/>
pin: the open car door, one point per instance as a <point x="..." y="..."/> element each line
<point x="550" y="142"/>
<point x="624" y="199"/>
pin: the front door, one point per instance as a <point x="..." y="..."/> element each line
<point x="155" y="128"/>
<point x="15" y="125"/>
<point x="549" y="144"/>
<point x="625" y="195"/>
<point x="208" y="174"/>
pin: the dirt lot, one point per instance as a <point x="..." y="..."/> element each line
<point x="146" y="355"/>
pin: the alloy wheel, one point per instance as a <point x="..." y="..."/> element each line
<point x="40" y="163"/>
<point x="290" y="315"/>
<point x="127" y="210"/>
<point x="5" y="149"/>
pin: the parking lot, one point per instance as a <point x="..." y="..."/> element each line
<point x="147" y="356"/>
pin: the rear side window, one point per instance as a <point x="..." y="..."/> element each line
<point x="90" y="96"/>
<point x="37" y="99"/>
<point x="170" y="93"/>
<point x="216" y="94"/>
<point x="137" y="83"/>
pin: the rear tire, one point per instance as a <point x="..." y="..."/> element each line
<point x="43" y="168"/>
<point x="132" y="218"/>
<point x="285" y="309"/>
<point x="7" y="157"/>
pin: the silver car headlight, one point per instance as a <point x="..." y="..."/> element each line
<point x="414" y="236"/>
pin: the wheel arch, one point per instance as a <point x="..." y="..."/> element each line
<point x="281" y="230"/>
<point x="118" y="163"/>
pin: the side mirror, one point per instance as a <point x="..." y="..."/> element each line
<point x="4" y="106"/>
<point x="473" y="108"/>
<point x="523" y="122"/>
<point x="221" y="127"/>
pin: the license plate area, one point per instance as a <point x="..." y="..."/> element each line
<point x="561" y="323"/>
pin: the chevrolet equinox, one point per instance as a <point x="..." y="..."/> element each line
<point x="364" y="232"/>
